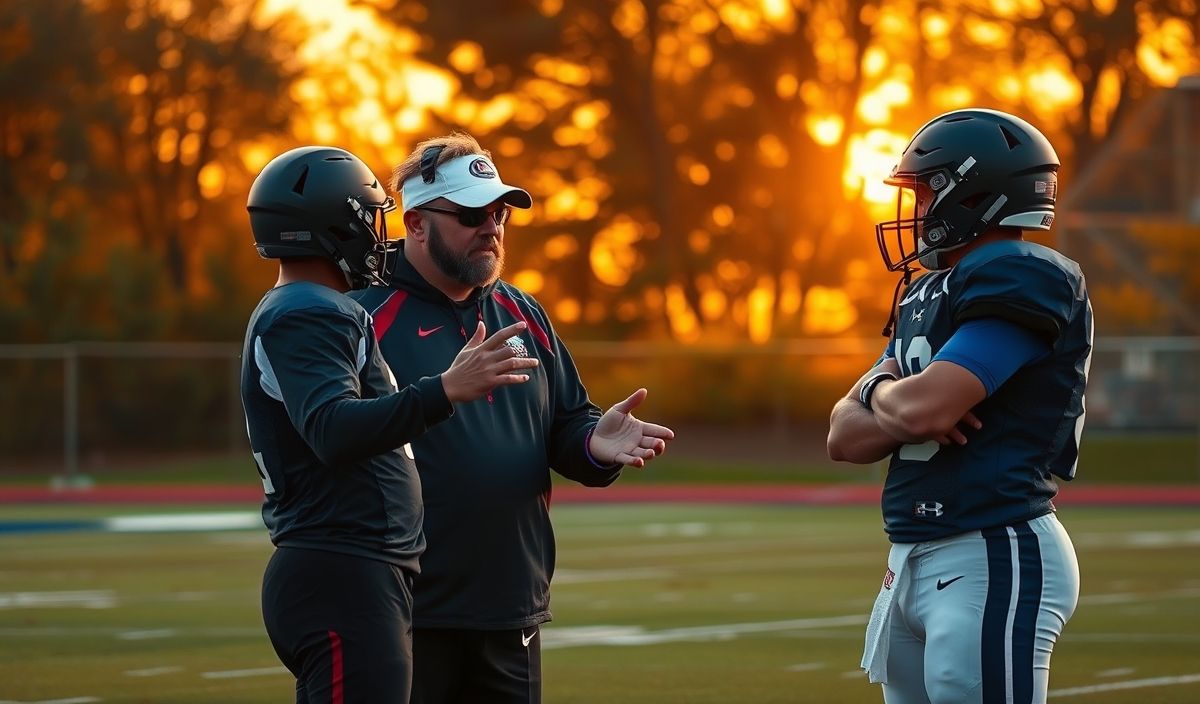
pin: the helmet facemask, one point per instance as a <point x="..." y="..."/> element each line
<point x="921" y="232"/>
<point x="362" y="250"/>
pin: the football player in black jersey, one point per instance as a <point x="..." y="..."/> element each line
<point x="327" y="424"/>
<point x="978" y="399"/>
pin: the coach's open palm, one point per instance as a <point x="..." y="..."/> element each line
<point x="621" y="438"/>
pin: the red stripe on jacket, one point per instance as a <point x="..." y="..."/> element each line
<point x="536" y="330"/>
<point x="386" y="313"/>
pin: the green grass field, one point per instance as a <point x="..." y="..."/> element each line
<point x="653" y="604"/>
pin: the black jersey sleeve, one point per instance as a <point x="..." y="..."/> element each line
<point x="316" y="356"/>
<point x="1030" y="291"/>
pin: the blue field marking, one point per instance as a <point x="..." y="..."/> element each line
<point x="149" y="523"/>
<point x="10" y="527"/>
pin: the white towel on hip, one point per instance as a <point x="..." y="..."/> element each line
<point x="875" y="650"/>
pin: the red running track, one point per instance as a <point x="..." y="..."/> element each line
<point x="807" y="494"/>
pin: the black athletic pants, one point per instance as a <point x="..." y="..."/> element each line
<point x="342" y="624"/>
<point x="453" y="666"/>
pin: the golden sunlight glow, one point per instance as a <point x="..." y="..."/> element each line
<point x="495" y="112"/>
<point x="871" y="158"/>
<point x="466" y="57"/>
<point x="530" y="280"/>
<point x="256" y="155"/>
<point x="683" y="319"/>
<point x="874" y="61"/>
<point x="1168" y="51"/>
<point x="589" y="115"/>
<point x="560" y="246"/>
<point x="1108" y="94"/>
<point x="759" y="307"/>
<point x="722" y="215"/>
<point x="949" y="97"/>
<point x="629" y="18"/>
<point x="828" y="311"/>
<point x="211" y="180"/>
<point x="1057" y="89"/>
<point x="789" y="293"/>
<point x="934" y="25"/>
<point x="772" y="152"/>
<point x="786" y="86"/>
<point x="825" y="130"/>
<point x="713" y="304"/>
<point x="567" y="310"/>
<point x="986" y="34"/>
<point x="614" y="255"/>
<point x="567" y="72"/>
<point x="875" y="107"/>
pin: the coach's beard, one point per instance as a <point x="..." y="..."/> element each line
<point x="460" y="267"/>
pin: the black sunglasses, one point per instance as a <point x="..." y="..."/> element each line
<point x="474" y="217"/>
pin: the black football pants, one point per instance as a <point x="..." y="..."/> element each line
<point x="342" y="625"/>
<point x="453" y="666"/>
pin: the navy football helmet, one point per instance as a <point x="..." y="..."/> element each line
<point x="963" y="173"/>
<point x="323" y="202"/>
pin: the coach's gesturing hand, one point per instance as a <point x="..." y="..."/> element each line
<point x="621" y="438"/>
<point x="482" y="365"/>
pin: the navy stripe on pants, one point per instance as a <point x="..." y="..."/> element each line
<point x="995" y="646"/>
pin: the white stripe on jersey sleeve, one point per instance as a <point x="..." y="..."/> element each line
<point x="266" y="374"/>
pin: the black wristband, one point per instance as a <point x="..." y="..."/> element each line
<point x="868" y="387"/>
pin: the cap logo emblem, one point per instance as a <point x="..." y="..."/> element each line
<point x="480" y="168"/>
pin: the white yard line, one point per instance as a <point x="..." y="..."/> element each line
<point x="554" y="638"/>
<point x="223" y="520"/>
<point x="233" y="674"/>
<point x="153" y="671"/>
<point x="93" y="599"/>
<point x="1128" y="684"/>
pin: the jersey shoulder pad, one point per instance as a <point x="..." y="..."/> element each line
<point x="1022" y="282"/>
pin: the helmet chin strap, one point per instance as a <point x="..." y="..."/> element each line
<point x="904" y="281"/>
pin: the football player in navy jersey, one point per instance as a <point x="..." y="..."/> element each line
<point x="978" y="399"/>
<point x="342" y="503"/>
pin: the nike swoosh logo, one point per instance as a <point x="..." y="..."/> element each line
<point x="422" y="332"/>
<point x="942" y="585"/>
<point x="526" y="638"/>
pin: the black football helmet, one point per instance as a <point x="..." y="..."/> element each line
<point x="323" y="202"/>
<point x="963" y="173"/>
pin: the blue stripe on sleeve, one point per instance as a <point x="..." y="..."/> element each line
<point x="992" y="349"/>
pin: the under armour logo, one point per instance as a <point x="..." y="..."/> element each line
<point x="918" y="315"/>
<point x="928" y="509"/>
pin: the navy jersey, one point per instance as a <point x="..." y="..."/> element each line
<point x="485" y="473"/>
<point x="325" y="423"/>
<point x="1031" y="423"/>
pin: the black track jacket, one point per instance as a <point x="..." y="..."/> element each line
<point x="485" y="472"/>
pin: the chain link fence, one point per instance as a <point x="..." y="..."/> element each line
<point x="69" y="407"/>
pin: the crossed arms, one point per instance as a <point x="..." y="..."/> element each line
<point x="934" y="404"/>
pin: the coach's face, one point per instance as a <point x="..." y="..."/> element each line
<point x="471" y="254"/>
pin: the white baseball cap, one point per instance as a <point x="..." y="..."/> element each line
<point x="470" y="181"/>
